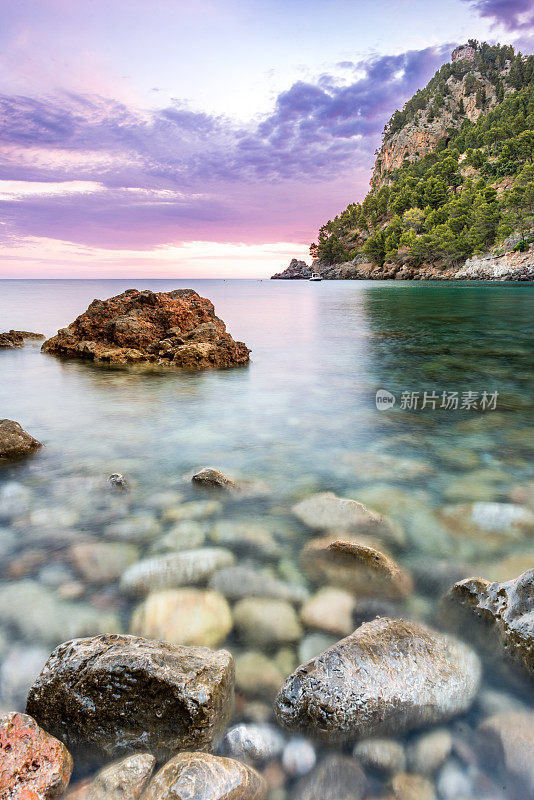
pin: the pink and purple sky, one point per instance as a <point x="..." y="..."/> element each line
<point x="146" y="138"/>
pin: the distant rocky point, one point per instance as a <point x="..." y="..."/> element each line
<point x="175" y="329"/>
<point x="12" y="339"/>
<point x="297" y="270"/>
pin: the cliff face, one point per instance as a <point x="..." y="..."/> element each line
<point x="421" y="134"/>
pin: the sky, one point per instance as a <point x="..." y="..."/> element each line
<point x="165" y="138"/>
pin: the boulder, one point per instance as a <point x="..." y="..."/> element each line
<point x="33" y="764"/>
<point x="359" y="569"/>
<point x="124" y="780"/>
<point x="184" y="616"/>
<point x="15" y="442"/>
<point x="387" y="677"/>
<point x="336" y="778"/>
<point x="173" y="329"/>
<point x="174" y="569"/>
<point x="506" y="746"/>
<point x="103" y="696"/>
<point x="327" y="512"/>
<point x="205" y="777"/>
<point x="12" y="339"/>
<point x="498" y="618"/>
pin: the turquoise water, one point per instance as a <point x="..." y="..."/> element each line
<point x="301" y="418"/>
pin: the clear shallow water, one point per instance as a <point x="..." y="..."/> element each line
<point x="301" y="418"/>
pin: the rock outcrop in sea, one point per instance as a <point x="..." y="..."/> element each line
<point x="105" y="696"/>
<point x="15" y="442"/>
<point x="174" y="329"/>
<point x="389" y="676"/>
<point x="12" y="339"/>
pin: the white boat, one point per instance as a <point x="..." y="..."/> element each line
<point x="315" y="277"/>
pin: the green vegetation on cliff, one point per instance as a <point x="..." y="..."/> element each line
<point x="474" y="189"/>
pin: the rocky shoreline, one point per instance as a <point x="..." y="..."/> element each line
<point x="148" y="715"/>
<point x="507" y="266"/>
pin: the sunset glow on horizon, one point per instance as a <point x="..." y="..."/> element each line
<point x="159" y="140"/>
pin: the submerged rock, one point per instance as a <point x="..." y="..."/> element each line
<point x="40" y="616"/>
<point x="327" y="512"/>
<point x="257" y="675"/>
<point x="177" y="329"/>
<point x="355" y="567"/>
<point x="299" y="757"/>
<point x="385" y="756"/>
<point x="175" y="569"/>
<point x="15" y="442"/>
<point x="124" y="780"/>
<point x="263" y="622"/>
<point x="102" y="562"/>
<point x="336" y="778"/>
<point x="253" y="743"/>
<point x="246" y="581"/>
<point x="497" y="617"/>
<point x="506" y="744"/>
<point x="329" y="610"/>
<point x="205" y="777"/>
<point x="105" y="696"/>
<point x="33" y="764"/>
<point x="184" y="616"/>
<point x="212" y="479"/>
<point x="412" y="787"/>
<point x="389" y="676"/>
<point x="246" y="537"/>
<point x="118" y="482"/>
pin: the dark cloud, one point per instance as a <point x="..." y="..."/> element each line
<point x="170" y="174"/>
<point x="514" y="15"/>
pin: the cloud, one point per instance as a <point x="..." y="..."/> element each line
<point x="175" y="174"/>
<point x="513" y="15"/>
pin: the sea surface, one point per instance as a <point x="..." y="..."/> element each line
<point x="301" y="418"/>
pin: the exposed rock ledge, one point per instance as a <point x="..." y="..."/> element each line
<point x="176" y="329"/>
<point x="508" y="266"/>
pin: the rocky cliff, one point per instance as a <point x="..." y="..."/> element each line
<point x="453" y="183"/>
<point x="466" y="93"/>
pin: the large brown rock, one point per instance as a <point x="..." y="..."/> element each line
<point x="355" y="567"/>
<point x="109" y="696"/>
<point x="205" y="777"/>
<point x="15" y="442"/>
<point x="177" y="329"/>
<point x="498" y="618"/>
<point x="123" y="780"/>
<point x="387" y="677"/>
<point x="33" y="765"/>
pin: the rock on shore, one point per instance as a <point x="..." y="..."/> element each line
<point x="389" y="676"/>
<point x="205" y="777"/>
<point x="498" y="616"/>
<point x="33" y="764"/>
<point x="15" y="442"/>
<point x="108" y="696"/>
<point x="177" y="329"/>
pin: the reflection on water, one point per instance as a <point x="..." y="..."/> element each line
<point x="301" y="419"/>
